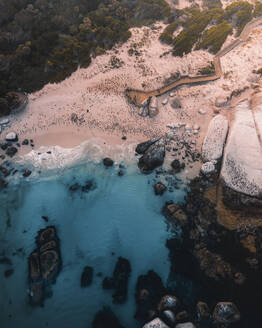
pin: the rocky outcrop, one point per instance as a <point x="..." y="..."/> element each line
<point x="106" y="318"/>
<point x="87" y="276"/>
<point x="153" y="157"/>
<point x="226" y="313"/>
<point x="153" y="107"/>
<point x="159" y="188"/>
<point x="156" y="323"/>
<point x="11" y="136"/>
<point x="119" y="281"/>
<point x="44" y="264"/>
<point x="242" y="164"/>
<point x="213" y="145"/>
<point x="143" y="146"/>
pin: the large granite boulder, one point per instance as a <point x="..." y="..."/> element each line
<point x="153" y="107"/>
<point x="153" y="157"/>
<point x="143" y="146"/>
<point x="213" y="145"/>
<point x="156" y="323"/>
<point x="242" y="164"/>
<point x="226" y="312"/>
<point x="11" y="136"/>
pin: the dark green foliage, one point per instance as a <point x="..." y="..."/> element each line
<point x="214" y="37"/>
<point x="209" y="69"/>
<point x="258" y="9"/>
<point x="167" y="35"/>
<point x="241" y="11"/>
<point x="45" y="41"/>
<point x="259" y="71"/>
<point x="193" y="27"/>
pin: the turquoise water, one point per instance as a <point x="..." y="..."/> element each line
<point x="121" y="217"/>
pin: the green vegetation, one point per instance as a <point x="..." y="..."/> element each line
<point x="193" y="27"/>
<point x="212" y="4"/>
<point x="167" y="35"/>
<point x="214" y="37"/>
<point x="258" y="9"/>
<point x="209" y="69"/>
<point x="259" y="71"/>
<point x="45" y="41"/>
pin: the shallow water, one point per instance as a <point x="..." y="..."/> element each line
<point x="121" y="217"/>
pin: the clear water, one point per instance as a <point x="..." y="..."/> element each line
<point x="121" y="217"/>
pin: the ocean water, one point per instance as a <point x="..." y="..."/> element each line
<point x="120" y="217"/>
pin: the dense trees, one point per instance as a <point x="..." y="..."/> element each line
<point x="44" y="41"/>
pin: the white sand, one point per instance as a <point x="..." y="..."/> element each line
<point x="100" y="90"/>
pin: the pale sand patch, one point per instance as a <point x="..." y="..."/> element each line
<point x="100" y="90"/>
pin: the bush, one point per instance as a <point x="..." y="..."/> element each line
<point x="214" y="37"/>
<point x="167" y="35"/>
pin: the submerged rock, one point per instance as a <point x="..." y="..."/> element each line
<point x="226" y="312"/>
<point x="153" y="157"/>
<point x="87" y="276"/>
<point x="106" y="318"/>
<point x="121" y="276"/>
<point x="44" y="264"/>
<point x="11" y="151"/>
<point x="160" y="188"/>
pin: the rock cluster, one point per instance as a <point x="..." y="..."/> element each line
<point x="119" y="281"/>
<point x="44" y="264"/>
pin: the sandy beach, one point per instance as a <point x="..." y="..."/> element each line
<point x="91" y="103"/>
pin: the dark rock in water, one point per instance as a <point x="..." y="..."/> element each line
<point x="87" y="276"/>
<point x="4" y="146"/>
<point x="108" y="161"/>
<point x="160" y="188"/>
<point x="149" y="291"/>
<point x="45" y="218"/>
<point x="89" y="185"/>
<point x="44" y="264"/>
<point x="226" y="313"/>
<point x="5" y="260"/>
<point x="121" y="275"/>
<point x="4" y="171"/>
<point x="202" y="312"/>
<point x="120" y="173"/>
<point x="143" y="147"/>
<point x="3" y="183"/>
<point x="153" y="157"/>
<point x="74" y="187"/>
<point x="11" y="151"/>
<point x="175" y="214"/>
<point x="8" y="273"/>
<point x="108" y="283"/>
<point x="25" y="142"/>
<point x="177" y="166"/>
<point x="26" y="173"/>
<point x="106" y="318"/>
<point x="182" y="317"/>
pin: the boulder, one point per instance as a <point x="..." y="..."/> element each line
<point x="169" y="317"/>
<point x="143" y="146"/>
<point x="27" y="173"/>
<point x="108" y="161"/>
<point x="11" y="151"/>
<point x="175" y="214"/>
<point x="156" y="323"/>
<point x="176" y="103"/>
<point x="4" y="121"/>
<point x="165" y="101"/>
<point x="106" y="318"/>
<point x="226" y="313"/>
<point x="182" y="317"/>
<point x="213" y="144"/>
<point x="11" y="136"/>
<point x="121" y="276"/>
<point x="153" y="157"/>
<point x="25" y="142"/>
<point x="168" y="302"/>
<point x="177" y="166"/>
<point x="160" y="188"/>
<point x="202" y="311"/>
<point x="208" y="168"/>
<point x="221" y="101"/>
<point x="153" y="107"/>
<point x="87" y="276"/>
<point x="242" y="164"/>
<point x="185" y="325"/>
